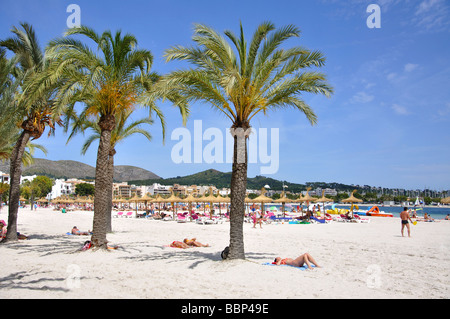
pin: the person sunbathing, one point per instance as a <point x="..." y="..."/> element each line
<point x="76" y="231"/>
<point x="194" y="243"/>
<point x="179" y="244"/>
<point x="3" y="231"/>
<point x="306" y="258"/>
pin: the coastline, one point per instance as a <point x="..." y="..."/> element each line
<point x="369" y="261"/>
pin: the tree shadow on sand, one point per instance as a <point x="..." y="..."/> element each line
<point x="24" y="280"/>
<point x="47" y="244"/>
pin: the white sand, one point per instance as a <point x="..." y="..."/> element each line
<point x="359" y="260"/>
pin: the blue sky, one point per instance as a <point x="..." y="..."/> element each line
<point x="387" y="123"/>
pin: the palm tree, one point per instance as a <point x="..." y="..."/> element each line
<point x="259" y="78"/>
<point x="110" y="81"/>
<point x="122" y="130"/>
<point x="33" y="113"/>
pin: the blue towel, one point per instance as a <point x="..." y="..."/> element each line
<point x="304" y="267"/>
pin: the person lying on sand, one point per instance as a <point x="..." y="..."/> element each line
<point x="76" y="231"/>
<point x="306" y="258"/>
<point x="88" y="245"/>
<point x="194" y="243"/>
<point x="179" y="244"/>
<point x="3" y="231"/>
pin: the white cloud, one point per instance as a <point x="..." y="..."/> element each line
<point x="409" y="67"/>
<point x="432" y="15"/>
<point x="444" y="111"/>
<point x="401" y="110"/>
<point x="391" y="76"/>
<point x="362" y="97"/>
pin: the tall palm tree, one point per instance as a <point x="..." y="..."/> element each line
<point x="114" y="78"/>
<point x="33" y="113"/>
<point x="122" y="130"/>
<point x="242" y="82"/>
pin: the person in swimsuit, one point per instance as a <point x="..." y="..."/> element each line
<point x="179" y="244"/>
<point x="194" y="243"/>
<point x="76" y="231"/>
<point x="306" y="258"/>
<point x="404" y="216"/>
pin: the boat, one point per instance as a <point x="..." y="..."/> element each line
<point x="375" y="211"/>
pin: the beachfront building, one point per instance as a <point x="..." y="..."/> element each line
<point x="27" y="178"/>
<point x="157" y="188"/>
<point x="61" y="188"/>
<point x="4" y="178"/>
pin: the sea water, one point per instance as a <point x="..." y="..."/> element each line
<point x="435" y="212"/>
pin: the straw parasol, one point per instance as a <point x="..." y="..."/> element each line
<point x="307" y="198"/>
<point x="262" y="199"/>
<point x="211" y="199"/>
<point x="323" y="200"/>
<point x="445" y="200"/>
<point x="172" y="199"/>
<point x="158" y="199"/>
<point x="352" y="199"/>
<point x="135" y="199"/>
<point x="283" y="200"/>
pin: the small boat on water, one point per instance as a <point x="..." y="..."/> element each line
<point x="375" y="211"/>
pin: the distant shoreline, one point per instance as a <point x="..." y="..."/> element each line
<point x="398" y="205"/>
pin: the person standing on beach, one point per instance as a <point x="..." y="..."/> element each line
<point x="404" y="216"/>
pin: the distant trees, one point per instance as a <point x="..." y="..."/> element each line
<point x="84" y="189"/>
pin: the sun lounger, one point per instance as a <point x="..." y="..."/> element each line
<point x="119" y="214"/>
<point x="182" y="218"/>
<point x="361" y="219"/>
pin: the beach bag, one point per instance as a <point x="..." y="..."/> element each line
<point x="224" y="253"/>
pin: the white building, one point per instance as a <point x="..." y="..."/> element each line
<point x="157" y="188"/>
<point x="61" y="187"/>
<point x="4" y="178"/>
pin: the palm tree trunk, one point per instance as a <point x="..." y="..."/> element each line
<point x="14" y="192"/>
<point x="112" y="152"/>
<point x="238" y="193"/>
<point x="102" y="185"/>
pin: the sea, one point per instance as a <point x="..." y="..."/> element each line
<point x="435" y="212"/>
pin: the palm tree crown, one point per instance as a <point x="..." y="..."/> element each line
<point x="245" y="81"/>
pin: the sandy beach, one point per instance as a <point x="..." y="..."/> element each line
<point x="358" y="260"/>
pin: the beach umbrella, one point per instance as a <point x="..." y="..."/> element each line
<point x="262" y="199"/>
<point x="190" y="199"/>
<point x="352" y="199"/>
<point x="323" y="200"/>
<point x="221" y="199"/>
<point x="283" y="200"/>
<point x="146" y="199"/>
<point x="135" y="199"/>
<point x="307" y="198"/>
<point x="158" y="199"/>
<point x="445" y="200"/>
<point x="172" y="199"/>
<point x="211" y="199"/>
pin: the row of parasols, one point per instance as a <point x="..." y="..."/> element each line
<point x="213" y="199"/>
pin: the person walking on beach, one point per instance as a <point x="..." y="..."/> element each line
<point x="404" y="216"/>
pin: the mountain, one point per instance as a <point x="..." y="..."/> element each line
<point x="220" y="180"/>
<point x="73" y="169"/>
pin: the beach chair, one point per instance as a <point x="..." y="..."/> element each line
<point x="129" y="215"/>
<point x="345" y="218"/>
<point x="119" y="214"/>
<point x="317" y="220"/>
<point x="361" y="219"/>
<point x="182" y="218"/>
